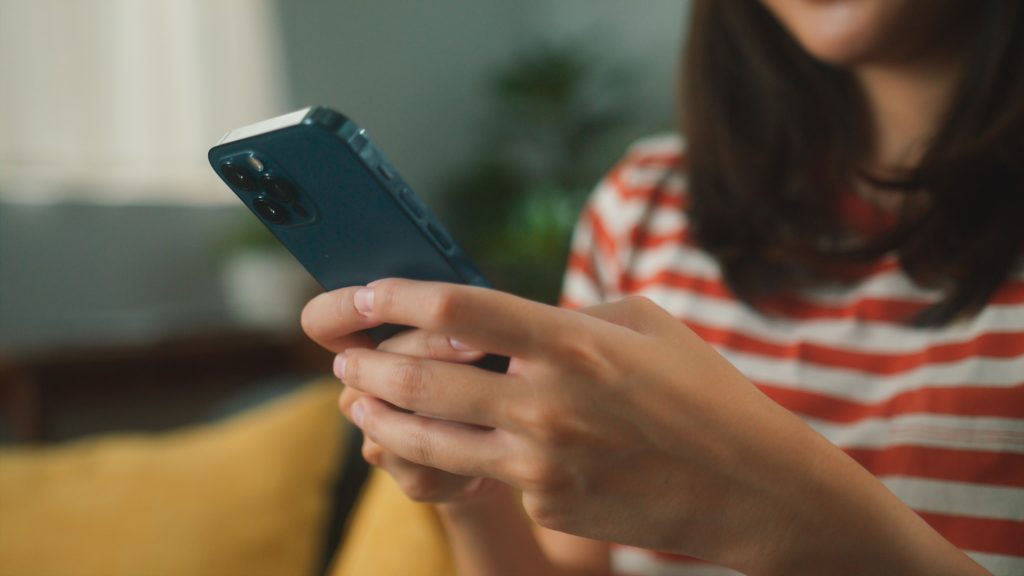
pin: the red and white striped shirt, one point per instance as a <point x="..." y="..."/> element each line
<point x="936" y="414"/>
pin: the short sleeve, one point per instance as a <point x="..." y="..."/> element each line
<point x="602" y="243"/>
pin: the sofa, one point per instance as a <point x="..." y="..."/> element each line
<point x="259" y="492"/>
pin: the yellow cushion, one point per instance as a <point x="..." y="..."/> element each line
<point x="246" y="496"/>
<point x="390" y="535"/>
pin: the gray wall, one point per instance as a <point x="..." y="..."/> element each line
<point x="410" y="72"/>
<point x="72" y="273"/>
<point x="414" y="73"/>
<point x="641" y="37"/>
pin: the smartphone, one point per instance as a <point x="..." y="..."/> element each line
<point x="317" y="181"/>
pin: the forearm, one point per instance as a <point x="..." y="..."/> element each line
<point x="888" y="537"/>
<point x="492" y="536"/>
<point x="849" y="523"/>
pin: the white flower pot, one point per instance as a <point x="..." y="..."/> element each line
<point x="266" y="289"/>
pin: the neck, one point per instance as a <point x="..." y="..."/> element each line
<point x="909" y="87"/>
<point x="906" y="103"/>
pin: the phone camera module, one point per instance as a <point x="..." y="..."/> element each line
<point x="269" y="210"/>
<point x="239" y="176"/>
<point x="278" y="189"/>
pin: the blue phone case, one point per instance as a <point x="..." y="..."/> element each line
<point x="353" y="219"/>
<point x="315" y="179"/>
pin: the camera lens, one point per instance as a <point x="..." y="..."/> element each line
<point x="278" y="189"/>
<point x="238" y="175"/>
<point x="270" y="210"/>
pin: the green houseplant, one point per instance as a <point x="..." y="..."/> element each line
<point x="555" y="125"/>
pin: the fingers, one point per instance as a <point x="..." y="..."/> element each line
<point x="447" y="446"/>
<point x="348" y="396"/>
<point x="423" y="344"/>
<point x="333" y="322"/>
<point x="419" y="482"/>
<point x="373" y="453"/>
<point x="480" y="318"/>
<point x="430" y="387"/>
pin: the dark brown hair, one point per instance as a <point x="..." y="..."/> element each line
<point x="775" y="136"/>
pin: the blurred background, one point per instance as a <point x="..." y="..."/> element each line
<point x="137" y="294"/>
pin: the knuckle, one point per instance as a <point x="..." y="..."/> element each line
<point x="353" y="366"/>
<point x="421" y="449"/>
<point x="555" y="435"/>
<point x="640" y="304"/>
<point x="583" y="353"/>
<point x="437" y="345"/>
<point x="546" y="512"/>
<point x="372" y="453"/>
<point x="444" y="306"/>
<point x="397" y="344"/>
<point x="541" y="474"/>
<point x="392" y="344"/>
<point x="538" y="418"/>
<point x="419" y="487"/>
<point x="650" y="310"/>
<point x="410" y="381"/>
<point x="405" y="342"/>
<point x="549" y="423"/>
<point x="348" y="396"/>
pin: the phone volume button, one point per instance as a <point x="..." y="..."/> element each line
<point x="386" y="172"/>
<point x="440" y="235"/>
<point x="405" y="195"/>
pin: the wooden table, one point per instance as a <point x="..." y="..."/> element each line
<point x="153" y="385"/>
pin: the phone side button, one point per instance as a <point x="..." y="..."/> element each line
<point x="405" y="195"/>
<point x="440" y="235"/>
<point x="359" y="140"/>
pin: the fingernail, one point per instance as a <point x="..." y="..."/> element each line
<point x="363" y="300"/>
<point x="358" y="412"/>
<point x="457" y="345"/>
<point x="339" y="365"/>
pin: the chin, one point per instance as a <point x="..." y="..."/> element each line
<point x="844" y="32"/>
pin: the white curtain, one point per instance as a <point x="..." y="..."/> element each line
<point x="118" y="100"/>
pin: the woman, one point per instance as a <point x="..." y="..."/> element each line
<point x="842" y="240"/>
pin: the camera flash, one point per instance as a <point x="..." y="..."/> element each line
<point x="255" y="163"/>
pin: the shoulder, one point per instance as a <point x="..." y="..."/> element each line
<point x="657" y="161"/>
<point x="638" y="206"/>
<point x="667" y="146"/>
<point x="650" y="175"/>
